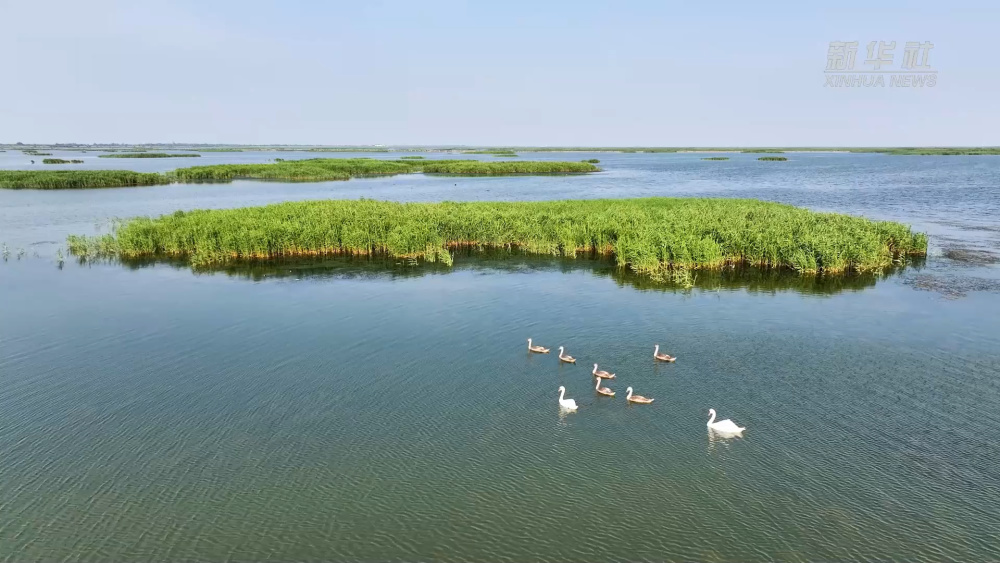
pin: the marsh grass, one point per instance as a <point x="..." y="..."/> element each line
<point x="716" y="158"/>
<point x="77" y="179"/>
<point x="651" y="237"/>
<point x="945" y="151"/>
<point x="494" y="152"/>
<point x="149" y="155"/>
<point x="773" y="158"/>
<point x="60" y="161"/>
<point x="324" y="169"/>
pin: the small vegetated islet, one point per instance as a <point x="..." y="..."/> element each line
<point x="773" y="158"/>
<point x="651" y="237"/>
<point x="60" y="161"/>
<point x="324" y="169"/>
<point x="716" y="158"/>
<point x="77" y="179"/>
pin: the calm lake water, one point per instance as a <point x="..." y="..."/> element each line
<point x="343" y="410"/>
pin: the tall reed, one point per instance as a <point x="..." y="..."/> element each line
<point x="76" y="179"/>
<point x="649" y="236"/>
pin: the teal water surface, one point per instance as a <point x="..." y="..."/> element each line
<point x="340" y="411"/>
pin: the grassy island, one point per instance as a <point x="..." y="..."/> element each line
<point x="60" y="161"/>
<point x="412" y="157"/>
<point x="148" y="155"/>
<point x="716" y="158"/>
<point x="591" y="160"/>
<point x="650" y="237"/>
<point x="323" y="169"/>
<point x="309" y="170"/>
<point x="773" y="158"/>
<point x="77" y="179"/>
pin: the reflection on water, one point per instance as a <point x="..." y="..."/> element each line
<point x="754" y="280"/>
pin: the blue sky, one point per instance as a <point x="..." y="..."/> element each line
<point x="494" y="73"/>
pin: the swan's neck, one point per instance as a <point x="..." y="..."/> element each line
<point x="711" y="419"/>
<point x="629" y="396"/>
<point x="598" y="384"/>
<point x="595" y="369"/>
<point x="562" y="393"/>
<point x="656" y="350"/>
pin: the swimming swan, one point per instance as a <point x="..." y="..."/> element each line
<point x="565" y="358"/>
<point x="602" y="374"/>
<point x="662" y="357"/>
<point x="607" y="392"/>
<point x="637" y="398"/>
<point x="537" y="349"/>
<point x="568" y="404"/>
<point x="725" y="426"/>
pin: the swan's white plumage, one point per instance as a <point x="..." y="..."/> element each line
<point x="725" y="426"/>
<point x="568" y="404"/>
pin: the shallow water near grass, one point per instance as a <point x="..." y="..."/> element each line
<point x="338" y="410"/>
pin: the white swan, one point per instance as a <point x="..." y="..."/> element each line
<point x="725" y="426"/>
<point x="568" y="404"/>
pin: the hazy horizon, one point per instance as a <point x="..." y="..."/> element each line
<point x="514" y="74"/>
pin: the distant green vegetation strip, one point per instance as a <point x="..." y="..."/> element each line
<point x="323" y="169"/>
<point x="412" y="157"/>
<point x="476" y="168"/>
<point x="716" y="158"/>
<point x="77" y="179"/>
<point x="773" y="158"/>
<point x="649" y="236"/>
<point x="309" y="170"/>
<point x="499" y="152"/>
<point x="954" y="151"/>
<point x="60" y="161"/>
<point x="149" y="155"/>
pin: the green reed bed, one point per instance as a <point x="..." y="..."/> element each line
<point x="60" y="161"/>
<point x="149" y="155"/>
<point x="650" y="237"/>
<point x="773" y="158"/>
<point x="495" y="152"/>
<point x="412" y="157"/>
<point x="77" y="179"/>
<point x="591" y="160"/>
<point x="323" y="169"/>
<point x="502" y="168"/>
<point x="945" y="151"/>
<point x="716" y="158"/>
